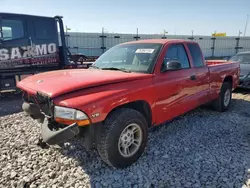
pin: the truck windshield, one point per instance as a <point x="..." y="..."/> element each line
<point x="241" y="58"/>
<point x="139" y="57"/>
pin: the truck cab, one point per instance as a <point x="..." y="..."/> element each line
<point x="29" y="45"/>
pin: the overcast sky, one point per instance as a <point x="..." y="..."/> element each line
<point x="150" y="16"/>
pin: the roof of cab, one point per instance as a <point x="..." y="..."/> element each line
<point x="159" y="41"/>
<point x="18" y="14"/>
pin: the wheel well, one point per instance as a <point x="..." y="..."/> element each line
<point x="229" y="79"/>
<point x="141" y="106"/>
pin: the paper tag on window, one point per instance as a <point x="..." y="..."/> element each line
<point x="145" y="51"/>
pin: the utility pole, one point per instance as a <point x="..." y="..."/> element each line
<point x="246" y="25"/>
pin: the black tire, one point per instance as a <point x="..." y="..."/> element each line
<point x="219" y="104"/>
<point x="108" y="138"/>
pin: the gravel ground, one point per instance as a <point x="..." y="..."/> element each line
<point x="200" y="149"/>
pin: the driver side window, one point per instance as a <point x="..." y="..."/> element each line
<point x="177" y="52"/>
<point x="12" y="29"/>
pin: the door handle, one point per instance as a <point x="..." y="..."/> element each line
<point x="193" y="77"/>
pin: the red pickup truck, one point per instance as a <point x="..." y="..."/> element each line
<point x="130" y="88"/>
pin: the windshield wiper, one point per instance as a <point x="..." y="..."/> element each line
<point x="114" y="68"/>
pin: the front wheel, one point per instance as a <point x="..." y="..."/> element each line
<point x="224" y="100"/>
<point x="123" y="138"/>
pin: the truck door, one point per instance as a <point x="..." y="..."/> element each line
<point x="14" y="37"/>
<point x="174" y="89"/>
<point x="201" y="73"/>
<point x="45" y="40"/>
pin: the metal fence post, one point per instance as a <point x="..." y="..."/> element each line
<point x="136" y="37"/>
<point x="192" y="37"/>
<point x="67" y="38"/>
<point x="103" y="42"/>
<point x="164" y="35"/>
<point x="237" y="47"/>
<point x="237" y="44"/>
<point x="213" y="47"/>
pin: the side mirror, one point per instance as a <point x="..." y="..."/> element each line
<point x="171" y="66"/>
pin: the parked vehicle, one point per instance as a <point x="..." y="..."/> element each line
<point x="244" y="59"/>
<point x="130" y="88"/>
<point x="32" y="44"/>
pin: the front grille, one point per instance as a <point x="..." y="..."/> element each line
<point x="44" y="103"/>
<point x="41" y="100"/>
<point x="28" y="98"/>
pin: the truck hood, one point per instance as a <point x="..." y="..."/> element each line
<point x="56" y="83"/>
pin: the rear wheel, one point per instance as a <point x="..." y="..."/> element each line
<point x="224" y="100"/>
<point x="123" y="138"/>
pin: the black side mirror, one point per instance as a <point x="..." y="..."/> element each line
<point x="171" y="65"/>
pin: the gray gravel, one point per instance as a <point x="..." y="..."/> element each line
<point x="200" y="149"/>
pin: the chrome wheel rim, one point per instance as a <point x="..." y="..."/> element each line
<point x="130" y="140"/>
<point x="227" y="97"/>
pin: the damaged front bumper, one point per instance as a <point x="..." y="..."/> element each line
<point x="49" y="134"/>
<point x="58" y="136"/>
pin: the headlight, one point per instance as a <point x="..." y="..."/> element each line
<point x="69" y="116"/>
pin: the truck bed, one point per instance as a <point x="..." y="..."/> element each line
<point x="216" y="62"/>
<point x="218" y="69"/>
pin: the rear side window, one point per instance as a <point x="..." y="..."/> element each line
<point x="12" y="29"/>
<point x="45" y="28"/>
<point x="177" y="52"/>
<point x="196" y="55"/>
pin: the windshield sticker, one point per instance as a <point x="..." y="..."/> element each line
<point x="145" y="51"/>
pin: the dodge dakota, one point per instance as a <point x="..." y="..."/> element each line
<point x="130" y="88"/>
